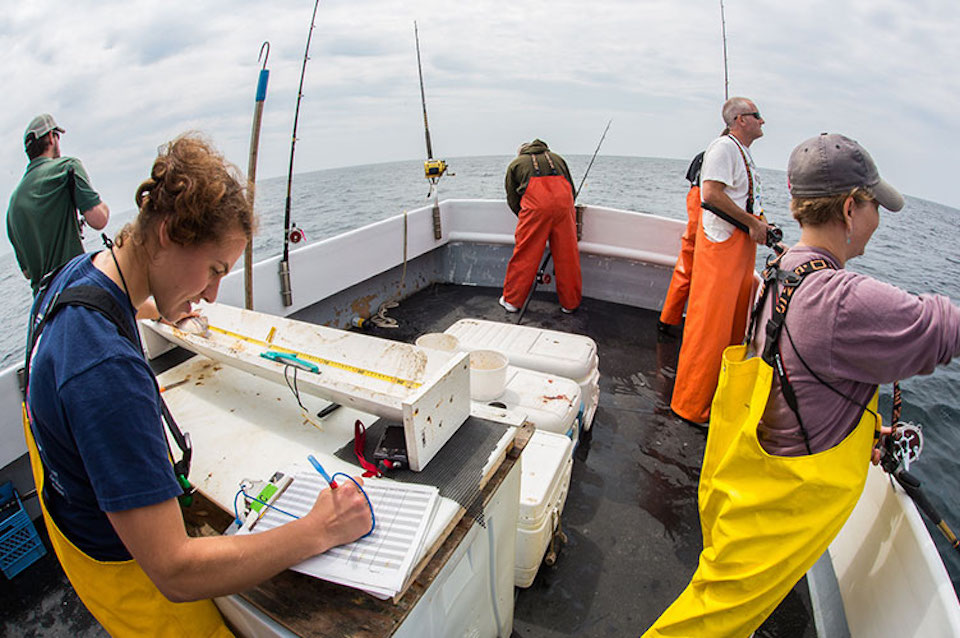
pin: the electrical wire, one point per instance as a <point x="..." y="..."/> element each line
<point x="293" y="387"/>
<point x="273" y="507"/>
<point x="373" y="519"/>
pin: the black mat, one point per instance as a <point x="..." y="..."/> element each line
<point x="457" y="468"/>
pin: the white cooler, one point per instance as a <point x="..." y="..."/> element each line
<point x="547" y="462"/>
<point x="549" y="402"/>
<point x="549" y="351"/>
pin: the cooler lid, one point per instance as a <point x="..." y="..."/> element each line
<point x="544" y="461"/>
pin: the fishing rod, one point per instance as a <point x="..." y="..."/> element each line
<point x="898" y="449"/>
<point x="542" y="276"/>
<point x="590" y="165"/>
<point x="433" y="169"/>
<point x="723" y="31"/>
<point x="774" y="237"/>
<point x="285" y="291"/>
<point x="260" y="98"/>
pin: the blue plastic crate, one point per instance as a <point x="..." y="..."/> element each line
<point x="20" y="545"/>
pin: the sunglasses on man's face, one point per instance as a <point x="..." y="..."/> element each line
<point x="755" y="114"/>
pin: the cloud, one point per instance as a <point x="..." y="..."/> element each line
<point x="123" y="78"/>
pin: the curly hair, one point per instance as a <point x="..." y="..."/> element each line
<point x="199" y="194"/>
<point x="817" y="211"/>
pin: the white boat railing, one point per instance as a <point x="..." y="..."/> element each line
<point x="325" y="267"/>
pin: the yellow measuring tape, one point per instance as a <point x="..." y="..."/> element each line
<point x="309" y="357"/>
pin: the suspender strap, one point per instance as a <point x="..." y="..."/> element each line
<point x="536" y="165"/>
<point x="749" y="207"/>
<point x="72" y="192"/>
<point x="769" y="277"/>
<point x="72" y="186"/>
<point x="553" y="169"/>
<point x="783" y="284"/>
<point x="99" y="300"/>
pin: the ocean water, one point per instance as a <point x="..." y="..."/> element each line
<point x="913" y="249"/>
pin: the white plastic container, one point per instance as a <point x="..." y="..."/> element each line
<point x="557" y="353"/>
<point x="437" y="341"/>
<point x="547" y="464"/>
<point x="488" y="374"/>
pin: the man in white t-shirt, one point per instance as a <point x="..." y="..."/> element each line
<point x="722" y="278"/>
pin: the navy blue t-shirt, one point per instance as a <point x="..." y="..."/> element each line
<point x="96" y="417"/>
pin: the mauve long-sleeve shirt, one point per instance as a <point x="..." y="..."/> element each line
<point x="856" y="333"/>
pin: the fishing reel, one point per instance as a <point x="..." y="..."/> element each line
<point x="901" y="447"/>
<point x="296" y="234"/>
<point x="434" y="168"/>
<point x="774" y="237"/>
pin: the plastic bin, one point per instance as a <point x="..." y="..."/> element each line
<point x="20" y="545"/>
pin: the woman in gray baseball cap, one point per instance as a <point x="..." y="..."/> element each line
<point x="794" y="420"/>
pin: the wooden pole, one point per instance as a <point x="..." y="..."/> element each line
<point x="252" y="169"/>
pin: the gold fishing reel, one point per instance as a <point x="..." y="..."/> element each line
<point x="434" y="168"/>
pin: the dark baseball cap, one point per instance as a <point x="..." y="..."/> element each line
<point x="832" y="164"/>
<point x="40" y="126"/>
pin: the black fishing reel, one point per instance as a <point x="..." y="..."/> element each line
<point x="774" y="237"/>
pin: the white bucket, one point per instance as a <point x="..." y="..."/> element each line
<point x="438" y="341"/>
<point x="488" y="374"/>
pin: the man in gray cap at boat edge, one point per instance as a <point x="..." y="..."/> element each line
<point x="42" y="221"/>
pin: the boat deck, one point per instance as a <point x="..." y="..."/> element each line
<point x="630" y="516"/>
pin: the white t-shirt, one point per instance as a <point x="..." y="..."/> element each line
<point x="722" y="162"/>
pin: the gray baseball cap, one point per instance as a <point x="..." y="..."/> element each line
<point x="832" y="164"/>
<point x="40" y="126"/>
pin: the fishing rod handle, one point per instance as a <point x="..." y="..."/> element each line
<point x="774" y="235"/>
<point x="911" y="486"/>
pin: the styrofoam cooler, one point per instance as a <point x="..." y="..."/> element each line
<point x="547" y="463"/>
<point x="549" y="351"/>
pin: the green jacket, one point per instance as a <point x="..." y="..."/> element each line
<point x="521" y="170"/>
<point x="41" y="221"/>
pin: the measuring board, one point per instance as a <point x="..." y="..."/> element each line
<point x="379" y="563"/>
<point x="426" y="390"/>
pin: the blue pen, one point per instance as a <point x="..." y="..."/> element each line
<point x="316" y="465"/>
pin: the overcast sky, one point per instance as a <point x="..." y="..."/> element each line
<point x="123" y="77"/>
